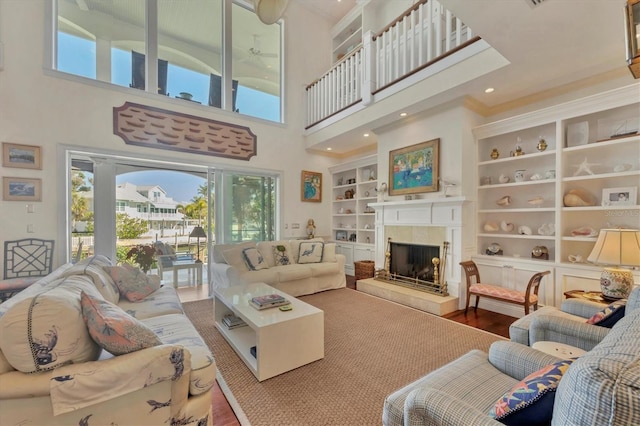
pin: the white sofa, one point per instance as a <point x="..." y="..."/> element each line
<point x="53" y="372"/>
<point x="230" y="266"/>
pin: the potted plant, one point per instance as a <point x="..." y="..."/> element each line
<point x="143" y="255"/>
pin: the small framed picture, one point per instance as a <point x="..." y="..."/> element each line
<point x="21" y="156"/>
<point x="21" y="189"/>
<point x="341" y="235"/>
<point x="311" y="186"/>
<point x="626" y="196"/>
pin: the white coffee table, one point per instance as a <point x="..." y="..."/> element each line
<point x="284" y="340"/>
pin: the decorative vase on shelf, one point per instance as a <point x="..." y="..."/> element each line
<point x="495" y="154"/>
<point x="542" y="144"/>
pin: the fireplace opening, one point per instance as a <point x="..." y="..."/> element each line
<point x="413" y="260"/>
<point x="411" y="265"/>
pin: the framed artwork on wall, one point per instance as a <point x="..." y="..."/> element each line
<point x="311" y="186"/>
<point x="21" y="189"/>
<point x="21" y="156"/>
<point x="414" y="169"/>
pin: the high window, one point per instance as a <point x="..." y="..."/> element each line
<point x="176" y="49"/>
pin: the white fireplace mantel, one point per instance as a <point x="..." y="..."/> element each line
<point x="427" y="212"/>
<point x="446" y="213"/>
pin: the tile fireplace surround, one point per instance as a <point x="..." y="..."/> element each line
<point x="428" y="221"/>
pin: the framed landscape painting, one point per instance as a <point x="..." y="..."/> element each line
<point x="21" y="189"/>
<point x="414" y="169"/>
<point x="21" y="156"/>
<point x="311" y="186"/>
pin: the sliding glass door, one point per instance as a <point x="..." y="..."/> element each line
<point x="117" y="202"/>
<point x="247" y="210"/>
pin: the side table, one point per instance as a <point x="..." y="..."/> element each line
<point x="594" y="296"/>
<point x="560" y="350"/>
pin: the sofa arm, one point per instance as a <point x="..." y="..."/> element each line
<point x="224" y="275"/>
<point x="582" y="308"/>
<point x="427" y="406"/>
<point x="579" y="334"/>
<point x="77" y="386"/>
<point x="517" y="360"/>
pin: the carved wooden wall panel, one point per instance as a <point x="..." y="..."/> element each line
<point x="158" y="128"/>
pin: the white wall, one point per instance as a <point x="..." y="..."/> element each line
<point x="452" y="124"/>
<point x="39" y="108"/>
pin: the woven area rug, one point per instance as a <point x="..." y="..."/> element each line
<point x="372" y="347"/>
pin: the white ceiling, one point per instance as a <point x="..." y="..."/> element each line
<point x="331" y="10"/>
<point x="550" y="45"/>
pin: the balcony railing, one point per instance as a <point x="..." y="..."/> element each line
<point x="418" y="38"/>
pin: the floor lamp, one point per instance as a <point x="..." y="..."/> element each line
<point x="616" y="247"/>
<point x="198" y="232"/>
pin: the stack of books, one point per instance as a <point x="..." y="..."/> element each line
<point x="232" y="321"/>
<point x="268" y="301"/>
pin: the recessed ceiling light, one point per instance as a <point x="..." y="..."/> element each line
<point x="403" y="114"/>
<point x="366" y="135"/>
<point x="489" y="90"/>
<point x="329" y="149"/>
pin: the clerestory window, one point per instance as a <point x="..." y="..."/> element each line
<point x="176" y="49"/>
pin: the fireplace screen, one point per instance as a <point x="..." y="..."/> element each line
<point x="413" y="260"/>
<point x="411" y="265"/>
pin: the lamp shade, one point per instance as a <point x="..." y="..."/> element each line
<point x="619" y="247"/>
<point x="198" y="232"/>
<point x="269" y="11"/>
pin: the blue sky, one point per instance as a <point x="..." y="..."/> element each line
<point x="78" y="56"/>
<point x="182" y="187"/>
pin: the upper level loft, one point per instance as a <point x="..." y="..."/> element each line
<point x="375" y="68"/>
<point x="442" y="51"/>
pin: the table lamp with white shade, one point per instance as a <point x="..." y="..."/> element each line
<point x="618" y="248"/>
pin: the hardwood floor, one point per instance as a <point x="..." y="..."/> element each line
<point x="485" y="320"/>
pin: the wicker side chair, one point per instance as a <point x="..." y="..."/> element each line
<point x="25" y="261"/>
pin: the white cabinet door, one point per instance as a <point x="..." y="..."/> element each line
<point x="347" y="251"/>
<point x="361" y="252"/>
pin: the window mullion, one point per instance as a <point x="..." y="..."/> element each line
<point x="227" y="43"/>
<point x="151" y="45"/>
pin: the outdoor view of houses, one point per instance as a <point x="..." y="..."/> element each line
<point x="167" y="206"/>
<point x="144" y="214"/>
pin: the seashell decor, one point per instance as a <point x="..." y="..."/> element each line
<point x="504" y="201"/>
<point x="503" y="178"/>
<point x="524" y="230"/>
<point x="547" y="229"/>
<point x="579" y="198"/>
<point x="584" y="231"/>
<point x="490" y="227"/>
<point x="537" y="201"/>
<point x="506" y="227"/>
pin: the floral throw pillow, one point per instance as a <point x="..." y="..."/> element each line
<point x="609" y="315"/>
<point x="113" y="329"/>
<point x="132" y="283"/>
<point x="281" y="255"/>
<point x="530" y="401"/>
